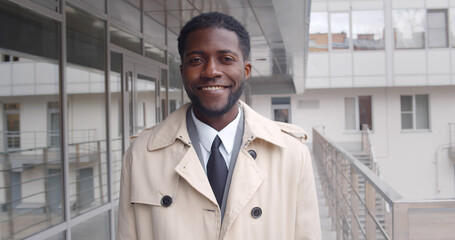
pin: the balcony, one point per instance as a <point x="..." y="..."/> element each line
<point x="362" y="206"/>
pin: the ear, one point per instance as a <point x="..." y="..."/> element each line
<point x="247" y="68"/>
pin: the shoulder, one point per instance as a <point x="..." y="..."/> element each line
<point x="293" y="130"/>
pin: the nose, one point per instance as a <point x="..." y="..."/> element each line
<point x="211" y="69"/>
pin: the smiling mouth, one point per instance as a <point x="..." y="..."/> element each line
<point x="212" y="88"/>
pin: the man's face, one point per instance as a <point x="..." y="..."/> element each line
<point x="213" y="70"/>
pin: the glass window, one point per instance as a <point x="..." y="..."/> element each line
<point x="85" y="73"/>
<point x="116" y="122"/>
<point x="127" y="12"/>
<point x="175" y="84"/>
<point x="155" y="53"/>
<point x="437" y="28"/>
<point x="53" y="5"/>
<point x="93" y="228"/>
<point x="409" y="28"/>
<point x="319" y="28"/>
<point x="350" y="116"/>
<point x="358" y="111"/>
<point x="415" y="112"/>
<point x="339" y="30"/>
<point x="31" y="165"/>
<point x="125" y="40"/>
<point x="368" y="30"/>
<point x="163" y="95"/>
<point x="281" y="107"/>
<point x="154" y="30"/>
<point x="452" y="25"/>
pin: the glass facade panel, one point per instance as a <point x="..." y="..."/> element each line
<point x="146" y="104"/>
<point x="368" y="30"/>
<point x="125" y="40"/>
<point x="349" y="113"/>
<point x="98" y="4"/>
<point x="422" y="112"/>
<point x="116" y="122"/>
<point x="127" y="12"/>
<point x="154" y="31"/>
<point x="437" y="28"/>
<point x="86" y="111"/>
<point x="365" y="112"/>
<point x="53" y="5"/>
<point x="319" y="29"/>
<point x="30" y="164"/>
<point x="97" y="228"/>
<point x="339" y="24"/>
<point x="409" y="26"/>
<point x="175" y="84"/>
<point x="155" y="53"/>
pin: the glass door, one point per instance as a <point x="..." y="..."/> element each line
<point x="141" y="97"/>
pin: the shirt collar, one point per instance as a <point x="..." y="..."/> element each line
<point x="227" y="135"/>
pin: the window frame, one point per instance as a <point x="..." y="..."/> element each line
<point x="414" y="114"/>
<point x="357" y="115"/>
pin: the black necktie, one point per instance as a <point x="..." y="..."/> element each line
<point x="217" y="170"/>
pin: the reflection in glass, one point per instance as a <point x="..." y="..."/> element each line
<point x="365" y="112"/>
<point x="349" y="113"/>
<point x="154" y="30"/>
<point x="127" y="12"/>
<point x="319" y="28"/>
<point x="116" y="122"/>
<point x="163" y="84"/>
<point x="452" y="25"/>
<point x="146" y="104"/>
<point x="155" y="53"/>
<point x="125" y="40"/>
<point x="406" y="112"/>
<point x="339" y="24"/>
<point x="175" y="84"/>
<point x="409" y="28"/>
<point x="437" y="28"/>
<point x="93" y="228"/>
<point x="368" y="30"/>
<point x="86" y="111"/>
<point x="53" y="5"/>
<point x="422" y="112"/>
<point x="30" y="167"/>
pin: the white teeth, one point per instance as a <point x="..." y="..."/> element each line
<point x="212" y="88"/>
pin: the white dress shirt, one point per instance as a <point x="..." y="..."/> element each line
<point x="207" y="134"/>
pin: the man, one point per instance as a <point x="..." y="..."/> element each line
<point x="215" y="169"/>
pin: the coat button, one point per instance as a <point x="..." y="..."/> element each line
<point x="256" y="212"/>
<point x="166" y="201"/>
<point x="252" y="153"/>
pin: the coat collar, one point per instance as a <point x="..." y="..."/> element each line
<point x="174" y="127"/>
<point x="171" y="129"/>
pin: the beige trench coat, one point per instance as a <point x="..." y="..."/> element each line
<point x="162" y="162"/>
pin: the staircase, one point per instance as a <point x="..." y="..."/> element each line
<point x="380" y="207"/>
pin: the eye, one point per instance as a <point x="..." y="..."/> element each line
<point x="227" y="59"/>
<point x="195" y="60"/>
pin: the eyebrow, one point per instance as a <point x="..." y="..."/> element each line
<point x="200" y="52"/>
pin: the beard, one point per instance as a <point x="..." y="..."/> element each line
<point x="232" y="100"/>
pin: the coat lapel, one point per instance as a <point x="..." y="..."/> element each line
<point x="246" y="180"/>
<point x="190" y="169"/>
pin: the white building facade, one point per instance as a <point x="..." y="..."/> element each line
<point x="389" y="64"/>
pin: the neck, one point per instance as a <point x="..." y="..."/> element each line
<point x="218" y="122"/>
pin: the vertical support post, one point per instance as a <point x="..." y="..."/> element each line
<point x="354" y="203"/>
<point x="337" y="185"/>
<point x="400" y="221"/>
<point x="77" y="173"/>
<point x="100" y="171"/>
<point x="370" y="227"/>
<point x="9" y="193"/>
<point x="47" y="204"/>
<point x="344" y="198"/>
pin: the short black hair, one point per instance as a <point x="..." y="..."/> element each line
<point x="215" y="20"/>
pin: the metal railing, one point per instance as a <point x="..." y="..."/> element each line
<point x="355" y="195"/>
<point x="367" y="148"/>
<point x="41" y="206"/>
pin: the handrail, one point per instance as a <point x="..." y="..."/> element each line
<point x="341" y="174"/>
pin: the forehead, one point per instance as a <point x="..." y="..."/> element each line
<point x="212" y="39"/>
